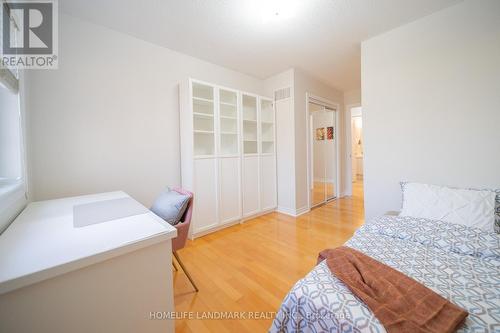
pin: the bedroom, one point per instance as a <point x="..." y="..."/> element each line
<point x="118" y="114"/>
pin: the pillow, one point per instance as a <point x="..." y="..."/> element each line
<point x="170" y="206"/>
<point x="469" y="207"/>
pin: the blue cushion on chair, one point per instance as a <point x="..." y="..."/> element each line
<point x="170" y="206"/>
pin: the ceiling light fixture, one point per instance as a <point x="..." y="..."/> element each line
<point x="275" y="10"/>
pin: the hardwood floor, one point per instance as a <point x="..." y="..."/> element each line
<point x="251" y="266"/>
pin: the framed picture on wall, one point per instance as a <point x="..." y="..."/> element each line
<point x="329" y="133"/>
<point x="320" y="133"/>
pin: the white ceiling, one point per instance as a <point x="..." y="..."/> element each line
<point x="322" y="38"/>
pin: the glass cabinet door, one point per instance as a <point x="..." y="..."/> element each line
<point x="203" y="119"/>
<point x="267" y="126"/>
<point x="228" y="114"/>
<point x="249" y="124"/>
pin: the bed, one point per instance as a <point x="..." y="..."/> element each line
<point x="459" y="262"/>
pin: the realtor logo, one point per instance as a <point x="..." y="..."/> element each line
<point x="29" y="34"/>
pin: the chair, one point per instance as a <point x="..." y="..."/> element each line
<point x="182" y="232"/>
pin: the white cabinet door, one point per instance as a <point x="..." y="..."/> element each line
<point x="230" y="194"/>
<point x="268" y="182"/>
<point x="205" y="194"/>
<point x="250" y="185"/>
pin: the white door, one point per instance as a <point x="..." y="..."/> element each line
<point x="250" y="182"/>
<point x="230" y="201"/>
<point x="268" y="182"/>
<point x="205" y="200"/>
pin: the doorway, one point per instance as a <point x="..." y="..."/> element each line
<point x="323" y="148"/>
<point x="354" y="150"/>
<point x="357" y="144"/>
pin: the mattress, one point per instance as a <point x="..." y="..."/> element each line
<point x="460" y="263"/>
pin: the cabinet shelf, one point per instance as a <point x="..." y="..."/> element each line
<point x="227" y="104"/>
<point x="226" y="160"/>
<point x="228" y="110"/>
<point x="203" y="115"/>
<point x="228" y="98"/>
<point x="201" y="156"/>
<point x="203" y="91"/>
<point x="267" y="147"/>
<point x="203" y="106"/>
<point x="201" y="100"/>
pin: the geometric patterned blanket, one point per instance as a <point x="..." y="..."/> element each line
<point x="461" y="264"/>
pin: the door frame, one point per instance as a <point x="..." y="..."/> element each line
<point x="348" y="147"/>
<point x="325" y="102"/>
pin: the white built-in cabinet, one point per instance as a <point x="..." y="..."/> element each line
<point x="228" y="154"/>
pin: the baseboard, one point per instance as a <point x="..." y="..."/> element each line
<point x="213" y="229"/>
<point x="293" y="212"/>
<point x="286" y="211"/>
<point x="302" y="210"/>
<point x="229" y="223"/>
<point x="254" y="215"/>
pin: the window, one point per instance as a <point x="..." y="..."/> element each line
<point x="10" y="137"/>
<point x="12" y="174"/>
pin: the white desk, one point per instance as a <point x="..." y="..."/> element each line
<point x="104" y="277"/>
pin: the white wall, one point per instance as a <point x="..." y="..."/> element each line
<point x="303" y="84"/>
<point x="352" y="97"/>
<point x="431" y="103"/>
<point x="108" y="118"/>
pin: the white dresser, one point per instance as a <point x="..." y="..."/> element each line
<point x="104" y="277"/>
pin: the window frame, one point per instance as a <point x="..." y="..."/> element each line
<point x="14" y="192"/>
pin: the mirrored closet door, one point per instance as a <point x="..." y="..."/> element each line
<point x="323" y="162"/>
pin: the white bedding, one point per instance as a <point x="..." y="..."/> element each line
<point x="458" y="262"/>
<point x="472" y="208"/>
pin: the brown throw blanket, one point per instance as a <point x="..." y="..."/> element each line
<point x="400" y="303"/>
